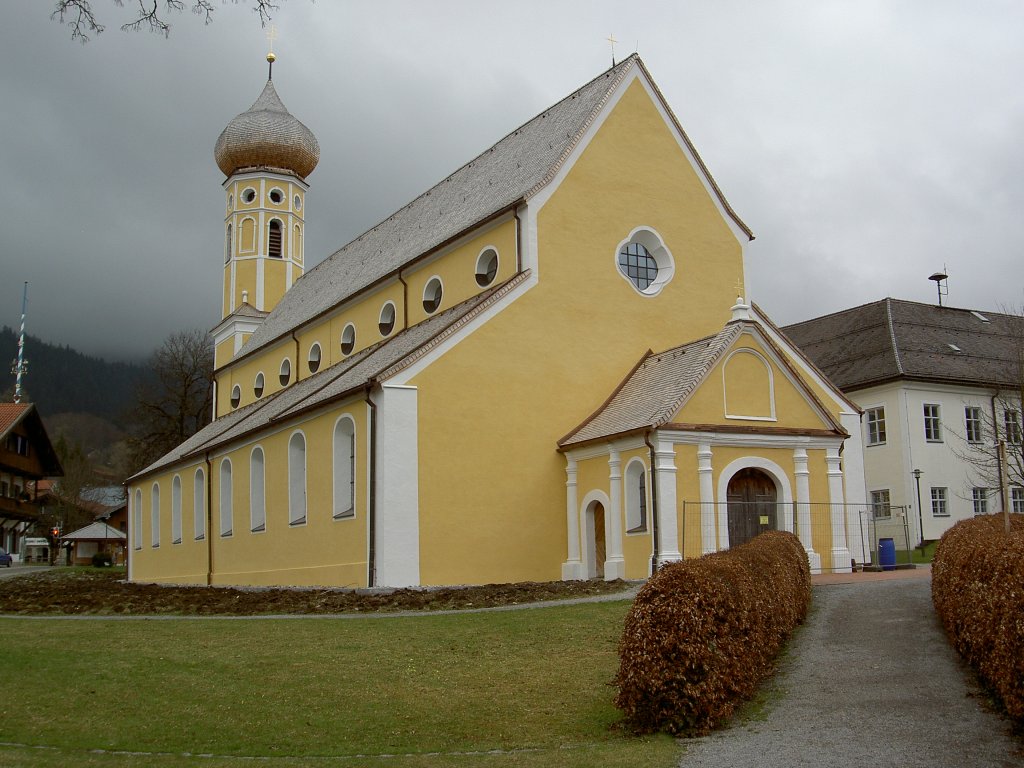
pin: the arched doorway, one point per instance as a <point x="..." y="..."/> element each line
<point x="752" y="498"/>
<point x="596" y="550"/>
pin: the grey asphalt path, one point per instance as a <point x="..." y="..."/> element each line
<point x="870" y="680"/>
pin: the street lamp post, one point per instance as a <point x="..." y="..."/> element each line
<point x="920" y="516"/>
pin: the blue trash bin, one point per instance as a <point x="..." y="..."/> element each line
<point x="887" y="554"/>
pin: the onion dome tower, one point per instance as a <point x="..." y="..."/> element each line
<point x="266" y="155"/>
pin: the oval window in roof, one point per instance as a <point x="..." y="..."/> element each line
<point x="486" y="267"/>
<point x="348" y="339"/>
<point x="387" y="319"/>
<point x="432" y="294"/>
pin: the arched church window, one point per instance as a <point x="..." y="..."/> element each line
<point x="387" y="319"/>
<point x="348" y="339"/>
<point x="137" y="519"/>
<point x="486" y="267"/>
<point x="432" y="294"/>
<point x="644" y="261"/>
<point x="176" y="510"/>
<point x="297" y="244"/>
<point x="297" y="479"/>
<point x="227" y="246"/>
<point x="344" y="468"/>
<point x="226" y="499"/>
<point x="636" y="496"/>
<point x="274" y="239"/>
<point x="199" y="504"/>
<point x="154" y="539"/>
<point x="257" y="502"/>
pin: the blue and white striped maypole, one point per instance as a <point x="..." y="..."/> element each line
<point x="20" y="366"/>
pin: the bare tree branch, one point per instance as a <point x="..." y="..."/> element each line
<point x="151" y="15"/>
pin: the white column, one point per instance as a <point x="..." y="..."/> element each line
<point x="398" y="521"/>
<point x="707" y="498"/>
<point x="572" y="568"/>
<point x="840" y="551"/>
<point x="803" y="507"/>
<point x="668" y="526"/>
<point x="614" y="564"/>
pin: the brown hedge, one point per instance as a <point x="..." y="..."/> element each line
<point x="702" y="634"/>
<point x="978" y="591"/>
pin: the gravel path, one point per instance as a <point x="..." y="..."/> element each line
<point x="869" y="681"/>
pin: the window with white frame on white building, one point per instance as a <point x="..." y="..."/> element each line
<point x="880" y="504"/>
<point x="939" y="502"/>
<point x="876" y="425"/>
<point x="972" y="424"/>
<point x="1011" y="425"/>
<point x="1017" y="499"/>
<point x="979" y="496"/>
<point x="932" y="424"/>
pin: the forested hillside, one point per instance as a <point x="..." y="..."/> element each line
<point x="61" y="380"/>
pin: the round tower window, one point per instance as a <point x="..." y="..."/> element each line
<point x="298" y="203"/>
<point x="348" y="339"/>
<point x="257" y="388"/>
<point x="486" y="267"/>
<point x="387" y="319"/>
<point x="236" y="396"/>
<point x="432" y="295"/>
<point x="276" y="196"/>
<point x="286" y="372"/>
<point x="314" y="358"/>
<point x="248" y="195"/>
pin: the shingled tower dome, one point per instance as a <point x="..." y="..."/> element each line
<point x="267" y="136"/>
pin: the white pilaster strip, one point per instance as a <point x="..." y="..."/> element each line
<point x="261" y="300"/>
<point x="803" y="507"/>
<point x="614" y="564"/>
<point x="398" y="524"/>
<point x="840" y="551"/>
<point x="707" y="498"/>
<point x="668" y="524"/>
<point x="572" y="568"/>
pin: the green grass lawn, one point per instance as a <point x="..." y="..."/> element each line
<point x="519" y="688"/>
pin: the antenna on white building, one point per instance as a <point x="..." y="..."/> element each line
<point x="21" y="364"/>
<point x="940" y="279"/>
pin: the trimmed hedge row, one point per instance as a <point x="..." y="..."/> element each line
<point x="702" y="634"/>
<point x="978" y="592"/>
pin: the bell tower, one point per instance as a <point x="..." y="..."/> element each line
<point x="266" y="155"/>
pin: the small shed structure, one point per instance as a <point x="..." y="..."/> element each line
<point x="95" y="538"/>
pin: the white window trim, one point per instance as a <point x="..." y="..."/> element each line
<point x="199" y="504"/>
<point x="341" y="465"/>
<point x="771" y="386"/>
<point x="298" y="505"/>
<point x="867" y="426"/>
<point x="440" y="300"/>
<point x="176" y="509"/>
<point x="631" y="497"/>
<point x="649" y="238"/>
<point x="154" y="515"/>
<point x="341" y="342"/>
<point x="257" y="492"/>
<point x="226" y="500"/>
<point x="320" y="357"/>
<point x="497" y="269"/>
<point x="394" y="318"/>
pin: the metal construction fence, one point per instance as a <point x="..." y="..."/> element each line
<point x="864" y="532"/>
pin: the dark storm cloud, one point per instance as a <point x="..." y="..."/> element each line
<point x="866" y="144"/>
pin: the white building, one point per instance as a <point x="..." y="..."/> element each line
<point x="939" y="387"/>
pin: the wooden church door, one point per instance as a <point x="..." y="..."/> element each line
<point x="752" y="504"/>
<point x="599" y="545"/>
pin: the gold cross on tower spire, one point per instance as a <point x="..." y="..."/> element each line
<point x="611" y="39"/>
<point x="271" y="37"/>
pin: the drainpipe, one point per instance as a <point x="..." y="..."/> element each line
<point x="405" y="301"/>
<point x="654" y="503"/>
<point x="371" y="557"/>
<point x="519" y="242"/>
<point x="209" y="520"/>
<point x="298" y="367"/>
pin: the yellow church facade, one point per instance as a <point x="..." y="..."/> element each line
<point x="466" y="393"/>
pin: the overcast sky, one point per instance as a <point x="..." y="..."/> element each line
<point x="867" y="144"/>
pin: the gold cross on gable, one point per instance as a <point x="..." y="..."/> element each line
<point x="739" y="288"/>
<point x="611" y="39"/>
<point x="272" y="36"/>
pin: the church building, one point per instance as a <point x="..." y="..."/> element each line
<point x="538" y="369"/>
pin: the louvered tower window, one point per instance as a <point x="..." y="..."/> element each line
<point x="274" y="239"/>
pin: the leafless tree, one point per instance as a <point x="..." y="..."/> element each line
<point x="176" y="399"/>
<point x="151" y="15"/>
